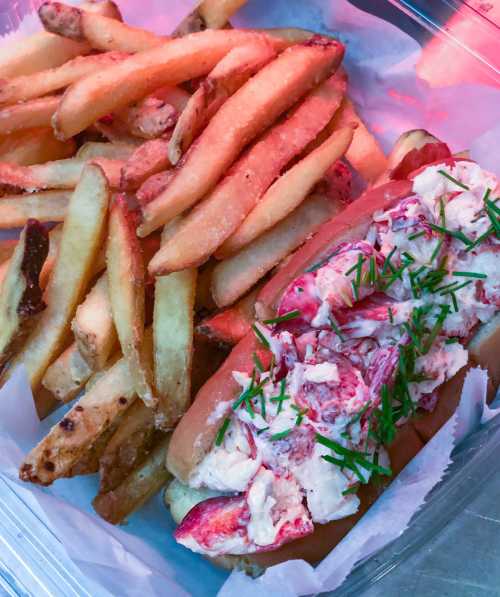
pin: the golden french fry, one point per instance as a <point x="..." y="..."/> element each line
<point x="81" y="240"/>
<point x="28" y="87"/>
<point x="173" y="62"/>
<point x="220" y="214"/>
<point x="364" y="154"/>
<point x="7" y="247"/>
<point x="148" y="159"/>
<point x="209" y="14"/>
<point x="49" y="206"/>
<point x="60" y="174"/>
<point x="173" y="344"/>
<point x="113" y="151"/>
<point x="34" y="146"/>
<point x="89" y="462"/>
<point x="21" y="296"/>
<point x="27" y="115"/>
<point x="233" y="277"/>
<point x="126" y="286"/>
<point x="93" y="326"/>
<point x="100" y="32"/>
<point x="256" y="105"/>
<point x="129" y="445"/>
<point x="45" y="50"/>
<point x="228" y="76"/>
<point x="67" y="375"/>
<point x="228" y="326"/>
<point x="153" y="186"/>
<point x="144" y="482"/>
<point x="155" y="114"/>
<point x="87" y="420"/>
<point x="284" y="195"/>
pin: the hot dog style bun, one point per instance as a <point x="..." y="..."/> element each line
<point x="402" y="257"/>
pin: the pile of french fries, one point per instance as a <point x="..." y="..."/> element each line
<point x="157" y="180"/>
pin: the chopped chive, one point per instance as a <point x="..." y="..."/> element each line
<point x="286" y="317"/>
<point x="359" y="269"/>
<point x="336" y="329"/>
<point x="453" y="340"/>
<point x="249" y="407"/>
<point x="350" y="490"/>
<point x="260" y="336"/>
<point x="416" y="235"/>
<point x="442" y="213"/>
<point x="493" y="206"/>
<point x="387" y="262"/>
<point x="322" y="262"/>
<point x="262" y="405"/>
<point x="459" y="287"/>
<point x="454" y="301"/>
<point x="259" y="431"/>
<point x="300" y="414"/>
<point x="372" y="273"/>
<point x="345" y="298"/>
<point x="355" y="291"/>
<point x="258" y="362"/>
<point x="446" y="287"/>
<point x="469" y="274"/>
<point x="454" y="180"/>
<point x="480" y="239"/>
<point x="445" y="309"/>
<point x="391" y="316"/>
<point x="280" y="435"/>
<point x="222" y="431"/>
<point x="408" y="256"/>
<point x="454" y="233"/>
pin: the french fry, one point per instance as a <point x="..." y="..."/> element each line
<point x="87" y="420"/>
<point x="28" y="87"/>
<point x="55" y="236"/>
<point x="173" y="62"/>
<point x="256" y="105"/>
<point x="100" y="32"/>
<point x="60" y="174"/>
<point x="364" y="154"/>
<point x="173" y="344"/>
<point x="27" y="115"/>
<point x="153" y="186"/>
<point x="45" y="50"/>
<point x="284" y="195"/>
<point x="142" y="484"/>
<point x="89" y="462"/>
<point x="67" y="375"/>
<point x="126" y="285"/>
<point x="148" y="159"/>
<point x="81" y="240"/>
<point x="49" y="206"/>
<point x="93" y="326"/>
<point x="115" y="131"/>
<point x="204" y="300"/>
<point x="129" y="445"/>
<point x="229" y="325"/>
<point x="233" y="277"/>
<point x="21" y="296"/>
<point x="209" y="14"/>
<point x="34" y="146"/>
<point x="228" y="76"/>
<point x="114" y="151"/>
<point x="220" y="214"/>
<point x="7" y="247"/>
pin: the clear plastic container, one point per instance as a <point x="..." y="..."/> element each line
<point x="32" y="562"/>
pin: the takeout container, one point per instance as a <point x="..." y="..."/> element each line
<point x="396" y="89"/>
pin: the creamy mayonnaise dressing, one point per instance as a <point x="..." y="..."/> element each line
<point x="413" y="290"/>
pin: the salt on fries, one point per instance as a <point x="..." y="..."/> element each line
<point x="227" y="77"/>
<point x="100" y="32"/>
<point x="44" y="50"/>
<point x="257" y="104"/>
<point x="67" y="375"/>
<point x="27" y="147"/>
<point x="81" y="240"/>
<point x="170" y="63"/>
<point x="35" y="113"/>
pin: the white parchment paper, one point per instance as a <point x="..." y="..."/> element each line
<point x="142" y="558"/>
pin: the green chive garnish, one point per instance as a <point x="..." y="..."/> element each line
<point x="454" y="233"/>
<point x="258" y="362"/>
<point x="442" y="213"/>
<point x="286" y="317"/>
<point x="469" y="275"/>
<point x="454" y="301"/>
<point x="453" y="340"/>
<point x="387" y="262"/>
<point x="350" y="490"/>
<point x="416" y="235"/>
<point x="260" y="336"/>
<point x="336" y="329"/>
<point x="280" y="435"/>
<point x="454" y="180"/>
<point x="445" y="309"/>
<point x="391" y="316"/>
<point x="222" y="431"/>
